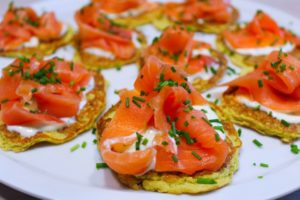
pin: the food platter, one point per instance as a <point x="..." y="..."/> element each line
<point x="56" y="173"/>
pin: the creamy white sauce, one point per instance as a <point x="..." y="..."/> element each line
<point x="288" y="47"/>
<point x="211" y="115"/>
<point x="99" y="52"/>
<point x="293" y="119"/>
<point x="33" y="42"/>
<point x="129" y="13"/>
<point x="27" y="131"/>
<point x="200" y="21"/>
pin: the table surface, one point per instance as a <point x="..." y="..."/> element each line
<point x="7" y="193"/>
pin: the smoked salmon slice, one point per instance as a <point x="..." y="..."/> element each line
<point x="119" y="6"/>
<point x="216" y="11"/>
<point x="19" y="25"/>
<point x="38" y="92"/>
<point x="96" y="30"/>
<point x="176" y="47"/>
<point x="274" y="84"/>
<point x="262" y="31"/>
<point x="161" y="104"/>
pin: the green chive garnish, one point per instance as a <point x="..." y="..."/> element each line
<point x="295" y="149"/>
<point x="217" y="137"/>
<point x="207" y="181"/>
<point x="257" y="143"/>
<point x="145" y="141"/>
<point x="94" y="131"/>
<point x="285" y="123"/>
<point x="165" y="143"/>
<point x="138" y="99"/>
<point x="101" y="165"/>
<point x="127" y="102"/>
<point x="239" y="132"/>
<point x="83" y="145"/>
<point x="75" y="147"/>
<point x="196" y="155"/>
<point x="136" y="103"/>
<point x="264" y="165"/>
<point x="174" y="158"/>
<point x="260" y="83"/>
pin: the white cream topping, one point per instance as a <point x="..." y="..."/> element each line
<point x="288" y="47"/>
<point x="99" y="52"/>
<point x="26" y="131"/>
<point x="293" y="119"/>
<point x="129" y="13"/>
<point x="213" y="118"/>
<point x="33" y="42"/>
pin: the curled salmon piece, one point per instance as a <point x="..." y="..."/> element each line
<point x="117" y="6"/>
<point x="148" y="129"/>
<point x="275" y="84"/>
<point x="19" y="25"/>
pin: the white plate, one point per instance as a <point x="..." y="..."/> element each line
<point x="54" y="172"/>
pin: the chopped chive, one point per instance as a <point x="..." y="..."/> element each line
<point x="215" y="121"/>
<point x="33" y="90"/>
<point x="5" y="100"/>
<point x="95" y="141"/>
<point x="260" y="177"/>
<point x="217" y="137"/>
<point x="231" y="69"/>
<point x="138" y="142"/>
<point x="139" y="99"/>
<point x="206" y="181"/>
<point x="219" y="128"/>
<point x="94" y="131"/>
<point x="71" y="66"/>
<point x="295" y="149"/>
<point x="168" y="118"/>
<point x="186" y="102"/>
<point x="136" y="103"/>
<point x="260" y="83"/>
<point x="257" y="143"/>
<point x="83" y="145"/>
<point x="186" y="123"/>
<point x="213" y="70"/>
<point x="194" y="153"/>
<point x="264" y="165"/>
<point x="174" y="158"/>
<point x="204" y="111"/>
<point x="173" y="69"/>
<point x="75" y="147"/>
<point x="204" y="119"/>
<point x="208" y="95"/>
<point x="127" y="102"/>
<point x="285" y="123"/>
<point x="101" y="165"/>
<point x="239" y="132"/>
<point x="216" y="101"/>
<point x="174" y="131"/>
<point x="165" y="143"/>
<point x="145" y="141"/>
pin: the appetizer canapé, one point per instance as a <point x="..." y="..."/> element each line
<point x="24" y="33"/>
<point x="267" y="99"/>
<point x="101" y="43"/>
<point x="249" y="44"/>
<point x="203" y="65"/>
<point x="210" y="16"/>
<point x="163" y="136"/>
<point x="130" y="13"/>
<point x="47" y="101"/>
